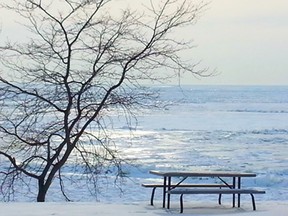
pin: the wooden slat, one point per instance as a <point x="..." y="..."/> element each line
<point x="185" y="185"/>
<point x="201" y="174"/>
<point x="215" y="191"/>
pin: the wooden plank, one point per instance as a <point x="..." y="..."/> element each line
<point x="201" y="174"/>
<point x="185" y="185"/>
<point x="215" y="191"/>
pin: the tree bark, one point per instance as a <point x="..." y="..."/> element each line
<point x="42" y="191"/>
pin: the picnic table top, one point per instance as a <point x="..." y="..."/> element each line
<point x="201" y="173"/>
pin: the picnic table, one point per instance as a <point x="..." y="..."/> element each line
<point x="230" y="180"/>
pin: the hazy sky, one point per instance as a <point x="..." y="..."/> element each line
<point x="246" y="41"/>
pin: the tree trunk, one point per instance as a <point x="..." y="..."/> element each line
<point x="42" y="190"/>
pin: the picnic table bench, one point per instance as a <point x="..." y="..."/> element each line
<point x="224" y="187"/>
<point x="215" y="191"/>
<point x="154" y="186"/>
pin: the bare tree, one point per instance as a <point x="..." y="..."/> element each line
<point x="82" y="62"/>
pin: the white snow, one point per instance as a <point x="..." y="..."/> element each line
<point x="138" y="209"/>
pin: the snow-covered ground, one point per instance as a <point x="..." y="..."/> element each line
<point x="137" y="209"/>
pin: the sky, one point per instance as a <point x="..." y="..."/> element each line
<point x="244" y="41"/>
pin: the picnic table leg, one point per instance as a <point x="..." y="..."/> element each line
<point x="169" y="188"/>
<point x="164" y="191"/>
<point x="152" y="196"/>
<point x="234" y="186"/>
<point x="239" y="187"/>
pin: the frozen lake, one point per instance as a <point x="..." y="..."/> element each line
<point x="236" y="128"/>
<point x="217" y="128"/>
